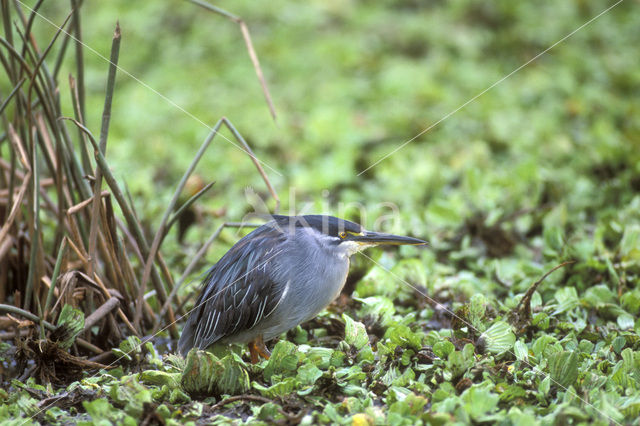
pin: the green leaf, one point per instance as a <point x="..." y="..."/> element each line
<point x="308" y="374"/>
<point x="178" y="396"/>
<point x="205" y="375"/>
<point x="478" y="401"/>
<point x="542" y="343"/>
<point x="458" y="362"/>
<point x="545" y="385"/>
<point x="411" y="405"/>
<point x="563" y="368"/>
<point x="403" y="336"/>
<point x="131" y="394"/>
<point x="355" y="332"/>
<point x="567" y="298"/>
<point x="159" y="378"/>
<point x="27" y="404"/>
<point x="599" y="295"/>
<point x="586" y="346"/>
<point x="284" y="387"/>
<point x="321" y="357"/>
<point x="521" y="351"/>
<point x="626" y="322"/>
<point x="70" y="324"/>
<point x="630" y="301"/>
<point x="129" y="349"/>
<point x="554" y="238"/>
<point x="130" y="344"/>
<point x="498" y="338"/>
<point x="284" y="360"/>
<point x="234" y="378"/>
<point x="405" y="378"/>
<point x="366" y="355"/>
<point x="540" y="320"/>
<point x="99" y="409"/>
<point x="618" y="343"/>
<point x="380" y="309"/>
<point x="511" y="392"/>
<point x="443" y="348"/>
<point x="477" y="308"/>
<point x="630" y="244"/>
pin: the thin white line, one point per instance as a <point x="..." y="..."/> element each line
<point x="218" y="319"/>
<point x="210" y="330"/>
<point x="533" y="367"/>
<point x="165" y="98"/>
<point x="284" y="294"/>
<point x="207" y="326"/>
<point x="492" y="86"/>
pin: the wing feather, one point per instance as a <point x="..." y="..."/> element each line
<point x="237" y="293"/>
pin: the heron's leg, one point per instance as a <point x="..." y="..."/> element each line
<point x="257" y="349"/>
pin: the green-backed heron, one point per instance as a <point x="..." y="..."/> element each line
<point x="280" y="275"/>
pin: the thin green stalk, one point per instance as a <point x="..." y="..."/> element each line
<point x="160" y="232"/>
<point x="30" y="41"/>
<point x="29" y="23"/>
<point x="217" y="10"/>
<point x="50" y="101"/>
<point x="54" y="277"/>
<point x="60" y="57"/>
<point x="14" y="54"/>
<point x="26" y="314"/>
<point x="104" y="133"/>
<point x="77" y="29"/>
<point x="75" y="101"/>
<point x="6" y="20"/>
<point x="186" y="205"/>
<point x="255" y="160"/>
<point x="42" y="58"/>
<point x="33" y="276"/>
<point x="13" y="92"/>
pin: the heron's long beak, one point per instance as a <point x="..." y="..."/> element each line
<point x="379" y="238"/>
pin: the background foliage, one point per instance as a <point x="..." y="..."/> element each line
<point x="541" y="169"/>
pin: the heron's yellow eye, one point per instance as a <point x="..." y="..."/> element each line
<point x="343" y="235"/>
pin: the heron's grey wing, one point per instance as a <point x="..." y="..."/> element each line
<point x="238" y="292"/>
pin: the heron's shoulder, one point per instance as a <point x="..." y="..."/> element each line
<point x="251" y="248"/>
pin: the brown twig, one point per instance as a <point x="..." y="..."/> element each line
<point x="256" y="65"/>
<point x="100" y="313"/>
<point x="256" y="162"/>
<point x="247" y="41"/>
<point x="255" y="398"/>
<point x="16" y="206"/>
<point x="521" y="314"/>
<point x="121" y="314"/>
<point x="82" y="204"/>
<point x="89" y="346"/>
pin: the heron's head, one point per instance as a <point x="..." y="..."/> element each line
<point x="343" y="235"/>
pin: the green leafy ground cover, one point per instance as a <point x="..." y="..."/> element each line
<point x="542" y="169"/>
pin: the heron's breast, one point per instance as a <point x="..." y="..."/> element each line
<point x="314" y="286"/>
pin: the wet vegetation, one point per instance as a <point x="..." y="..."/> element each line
<point x="122" y="181"/>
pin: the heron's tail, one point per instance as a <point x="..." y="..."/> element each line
<point x="186" y="339"/>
